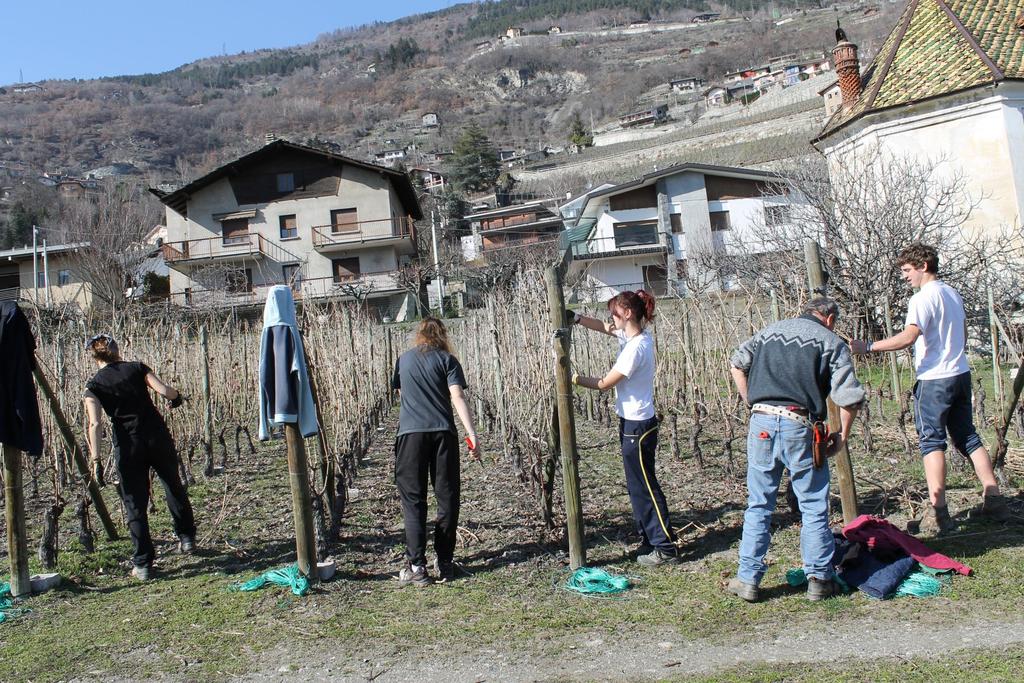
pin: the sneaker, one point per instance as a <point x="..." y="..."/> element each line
<point x="445" y="570"/>
<point x="413" y="574"/>
<point x="936" y="521"/>
<point x="142" y="572"/>
<point x="658" y="557"/>
<point x="994" y="506"/>
<point x="186" y="544"/>
<point x="747" y="591"/>
<point x="643" y="549"/>
<point x="820" y="589"/>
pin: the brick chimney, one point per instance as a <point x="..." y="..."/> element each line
<point x="847" y="66"/>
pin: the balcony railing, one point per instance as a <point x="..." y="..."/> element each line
<point x="308" y="289"/>
<point x="252" y="245"/>
<point x="347" y="234"/>
<point x="608" y="247"/>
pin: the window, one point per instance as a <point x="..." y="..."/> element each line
<point x="235" y="230"/>
<point x="285" y="182"/>
<point x="345" y="269"/>
<point x="289" y="228"/>
<point x="776" y="215"/>
<point x="292" y="276"/>
<point x="720" y="221"/>
<point x="40" y="279"/>
<point x="676" y="220"/>
<point x="63" y="277"/>
<point x="635" y="234"/>
<point x="238" y="281"/>
<point x="344" y="220"/>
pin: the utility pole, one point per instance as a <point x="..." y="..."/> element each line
<point x="46" y="273"/>
<point x="437" y="263"/>
<point x="35" y="266"/>
<point x="844" y="466"/>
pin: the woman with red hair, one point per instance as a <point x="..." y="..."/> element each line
<point x="632" y="377"/>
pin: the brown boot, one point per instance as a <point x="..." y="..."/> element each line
<point x="936" y="521"/>
<point x="994" y="506"/>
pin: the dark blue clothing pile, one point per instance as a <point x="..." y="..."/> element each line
<point x="877" y="574"/>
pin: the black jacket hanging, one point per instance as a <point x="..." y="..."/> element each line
<point x="19" y="412"/>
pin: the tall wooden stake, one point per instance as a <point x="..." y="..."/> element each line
<point x="302" y="506"/>
<point x="204" y="346"/>
<point x="894" y="369"/>
<point x="17" y="539"/>
<point x="844" y="466"/>
<point x="566" y="422"/>
<point x="76" y="453"/>
<point x="997" y="369"/>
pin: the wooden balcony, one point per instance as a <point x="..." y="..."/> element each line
<point x="398" y="231"/>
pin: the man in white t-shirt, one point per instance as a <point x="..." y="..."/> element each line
<point x="937" y="329"/>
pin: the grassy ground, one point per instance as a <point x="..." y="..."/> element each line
<point x="187" y="624"/>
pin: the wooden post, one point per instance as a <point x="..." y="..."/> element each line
<point x="302" y="506"/>
<point x="204" y="346"/>
<point x="894" y="368"/>
<point x="997" y="366"/>
<point x="81" y="463"/>
<point x="776" y="311"/>
<point x="499" y="383"/>
<point x="17" y="539"/>
<point x="844" y="466"/>
<point x="566" y="422"/>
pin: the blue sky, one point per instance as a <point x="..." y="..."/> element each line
<point x="65" y="39"/>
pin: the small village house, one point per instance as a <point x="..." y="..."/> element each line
<point x="651" y="115"/>
<point x="57" y="281"/>
<point x="517" y="225"/>
<point x="430" y="120"/>
<point x="690" y="84"/>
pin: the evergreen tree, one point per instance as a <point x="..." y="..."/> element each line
<point x="578" y="133"/>
<point x="474" y="164"/>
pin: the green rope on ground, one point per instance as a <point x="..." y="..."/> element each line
<point x="591" y="581"/>
<point x="289" y="577"/>
<point x="7" y="609"/>
<point x="919" y="584"/>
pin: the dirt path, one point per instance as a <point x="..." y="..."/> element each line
<point x="656" y="656"/>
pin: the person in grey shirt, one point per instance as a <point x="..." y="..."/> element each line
<point x="431" y="381"/>
<point x="786" y="373"/>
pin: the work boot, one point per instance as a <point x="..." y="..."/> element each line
<point x="658" y="557"/>
<point x="186" y="544"/>
<point x="820" y="589"/>
<point x="415" y="575"/>
<point x="747" y="591"/>
<point x="936" y="521"/>
<point x="445" y="570"/>
<point x="994" y="506"/>
<point x="142" y="572"/>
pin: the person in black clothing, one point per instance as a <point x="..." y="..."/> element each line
<point x="430" y="381"/>
<point x="141" y="442"/>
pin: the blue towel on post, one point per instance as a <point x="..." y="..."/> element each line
<point x="286" y="396"/>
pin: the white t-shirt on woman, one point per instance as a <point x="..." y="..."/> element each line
<point x="634" y="396"/>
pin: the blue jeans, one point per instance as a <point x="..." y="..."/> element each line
<point x="774" y="443"/>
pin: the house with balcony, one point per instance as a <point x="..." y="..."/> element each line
<point x="517" y="225"/>
<point x="652" y="115"/>
<point x="326" y="224"/>
<point x="664" y="231"/>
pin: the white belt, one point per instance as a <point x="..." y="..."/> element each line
<point x="782" y="412"/>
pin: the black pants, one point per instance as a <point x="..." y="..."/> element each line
<point x="650" y="511"/>
<point x="420" y="455"/>
<point x="134" y="461"/>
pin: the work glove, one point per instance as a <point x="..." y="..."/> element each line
<point x="177" y="400"/>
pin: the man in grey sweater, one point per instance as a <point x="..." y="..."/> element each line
<point x="786" y="373"/>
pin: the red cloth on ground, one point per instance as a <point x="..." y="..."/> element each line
<point x="876" y="532"/>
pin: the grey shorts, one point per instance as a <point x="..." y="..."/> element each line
<point x="944" y="405"/>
